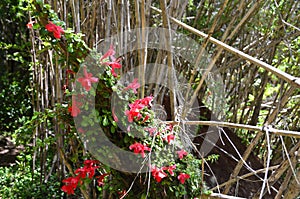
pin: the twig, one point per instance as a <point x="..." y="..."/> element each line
<point x="219" y="196"/>
<point x="285" y="76"/>
<point x="171" y="78"/>
<point x="295" y="134"/>
<point x="245" y="176"/>
<point x="269" y="152"/>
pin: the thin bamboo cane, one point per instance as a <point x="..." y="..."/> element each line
<point x="198" y="59"/>
<point x="293" y="190"/>
<point x="231" y="181"/>
<point x="285" y="76"/>
<point x="219" y="196"/>
<point x="258" y="136"/>
<point x="295" y="134"/>
<point x="171" y="77"/>
<point x="144" y="48"/>
<point x="280" y="171"/>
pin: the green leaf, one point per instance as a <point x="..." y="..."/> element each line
<point x="112" y="129"/>
<point x="105" y="121"/>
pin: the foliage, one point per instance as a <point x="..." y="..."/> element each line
<point x="14" y="60"/>
<point x="16" y="104"/>
<point x="20" y="182"/>
<point x="51" y="135"/>
<point x="136" y="117"/>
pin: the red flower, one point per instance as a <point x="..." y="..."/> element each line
<point x="81" y="172"/>
<point x="147" y="101"/>
<point x="145" y="119"/>
<point x="30" y="24"/>
<point x="101" y="179"/>
<point x="135" y="108"/>
<point x="158" y="174"/>
<point x="57" y="30"/>
<point x="122" y="193"/>
<point x="70" y="184"/>
<point x="182" y="177"/>
<point x="113" y="65"/>
<point x="87" y="80"/>
<point x="88" y="170"/>
<point x="90" y="163"/>
<point x="151" y="130"/>
<point x="133" y="85"/>
<point x="137" y="105"/>
<point x="80" y="130"/>
<point x="139" y="148"/>
<point x="114" y="115"/>
<point x="74" y="109"/>
<point x="170" y="138"/>
<point x="132" y="113"/>
<point x="110" y="53"/>
<point x="170" y="169"/>
<point x="69" y="71"/>
<point x="181" y="153"/>
<point x="169" y="127"/>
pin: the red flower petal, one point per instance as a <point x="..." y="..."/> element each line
<point x="158" y="174"/>
<point x="182" y="177"/>
<point x="114" y="115"/>
<point x="133" y="85"/>
<point x="57" y="30"/>
<point x="181" y="153"/>
<point x="139" y="148"/>
<point x="109" y="53"/>
<point x="87" y="80"/>
<point x="101" y="179"/>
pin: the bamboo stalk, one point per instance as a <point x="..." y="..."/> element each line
<point x="284" y="184"/>
<point x="246" y="154"/>
<point x="219" y="196"/>
<point x="293" y="190"/>
<point x="231" y="181"/>
<point x="199" y="57"/>
<point x="285" y="76"/>
<point x="144" y="48"/>
<point x="272" y="130"/>
<point x="276" y="175"/>
<point x="171" y="77"/>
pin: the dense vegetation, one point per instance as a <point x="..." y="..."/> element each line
<point x="70" y="68"/>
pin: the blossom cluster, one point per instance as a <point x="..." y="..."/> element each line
<point x="139" y="148"/>
<point x="88" y="79"/>
<point x="114" y="63"/>
<point x="137" y="111"/>
<point x="159" y="173"/>
<point x="88" y="171"/>
<point x="134" y="113"/>
<point x="55" y="29"/>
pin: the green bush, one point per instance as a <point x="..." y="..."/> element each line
<point x="15" y="102"/>
<point x="19" y="181"/>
